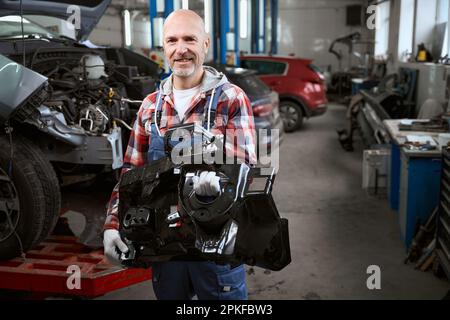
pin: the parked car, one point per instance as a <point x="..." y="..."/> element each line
<point x="265" y="103"/>
<point x="299" y="83"/>
<point x="65" y="109"/>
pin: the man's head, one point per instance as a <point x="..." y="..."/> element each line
<point x="186" y="43"/>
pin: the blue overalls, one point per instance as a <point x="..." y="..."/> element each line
<point x="181" y="280"/>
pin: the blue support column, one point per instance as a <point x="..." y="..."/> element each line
<point x="236" y="32"/>
<point x="274" y="18"/>
<point x="256" y="24"/>
<point x="153" y="13"/>
<point x="168" y="8"/>
<point x="224" y="28"/>
<point x="213" y="32"/>
<point x="265" y="27"/>
<point x="260" y="47"/>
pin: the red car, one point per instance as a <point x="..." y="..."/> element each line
<point x="300" y="85"/>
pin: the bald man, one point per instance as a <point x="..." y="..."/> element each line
<point x="192" y="94"/>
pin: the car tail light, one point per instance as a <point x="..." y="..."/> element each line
<point x="262" y="110"/>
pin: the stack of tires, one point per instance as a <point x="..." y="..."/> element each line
<point x="30" y="198"/>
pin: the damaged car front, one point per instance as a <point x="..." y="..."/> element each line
<point x="66" y="108"/>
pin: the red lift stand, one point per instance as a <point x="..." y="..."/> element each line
<point x="44" y="271"/>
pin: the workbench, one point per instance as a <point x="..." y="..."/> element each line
<point x="414" y="180"/>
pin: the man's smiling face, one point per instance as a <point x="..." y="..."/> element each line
<point x="185" y="43"/>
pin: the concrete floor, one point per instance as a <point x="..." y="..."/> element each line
<point x="337" y="230"/>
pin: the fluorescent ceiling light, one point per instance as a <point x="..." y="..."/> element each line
<point x="207" y="11"/>
<point x="243" y="19"/>
<point x="127" y="24"/>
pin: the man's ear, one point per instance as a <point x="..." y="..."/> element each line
<point x="207" y="43"/>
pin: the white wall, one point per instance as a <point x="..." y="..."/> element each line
<point x="308" y="27"/>
<point x="140" y="35"/>
<point x="108" y="30"/>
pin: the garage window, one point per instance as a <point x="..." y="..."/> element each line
<point x="406" y="34"/>
<point x="264" y="67"/>
<point x="382" y="29"/>
<point x="424" y="21"/>
<point x="442" y="27"/>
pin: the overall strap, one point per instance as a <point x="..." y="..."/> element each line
<point x="211" y="105"/>
<point x="158" y="112"/>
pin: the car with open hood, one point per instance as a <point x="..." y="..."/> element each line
<point x="65" y="109"/>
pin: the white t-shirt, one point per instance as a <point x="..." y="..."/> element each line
<point x="183" y="99"/>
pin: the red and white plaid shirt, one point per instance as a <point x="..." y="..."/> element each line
<point x="233" y="116"/>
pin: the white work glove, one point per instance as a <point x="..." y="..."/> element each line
<point x="111" y="241"/>
<point x="207" y="184"/>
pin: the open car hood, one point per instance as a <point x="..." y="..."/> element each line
<point x="90" y="11"/>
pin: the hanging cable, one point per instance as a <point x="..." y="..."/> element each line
<point x="158" y="101"/>
<point x="209" y="108"/>
<point x="23" y="34"/>
<point x="13" y="227"/>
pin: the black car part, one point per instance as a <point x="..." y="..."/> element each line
<point x="162" y="218"/>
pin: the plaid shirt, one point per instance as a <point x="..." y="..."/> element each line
<point x="234" y="116"/>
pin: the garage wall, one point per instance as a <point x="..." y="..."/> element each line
<point x="308" y="27"/>
<point x="108" y="30"/>
<point x="141" y="33"/>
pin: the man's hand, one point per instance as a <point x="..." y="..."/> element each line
<point x="207" y="184"/>
<point x="112" y="242"/>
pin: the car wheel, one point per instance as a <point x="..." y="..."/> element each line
<point x="292" y="115"/>
<point x="50" y="185"/>
<point x="22" y="204"/>
<point x="27" y="204"/>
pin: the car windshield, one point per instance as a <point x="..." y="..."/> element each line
<point x="10" y="27"/>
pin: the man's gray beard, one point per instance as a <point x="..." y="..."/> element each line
<point x="184" y="73"/>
